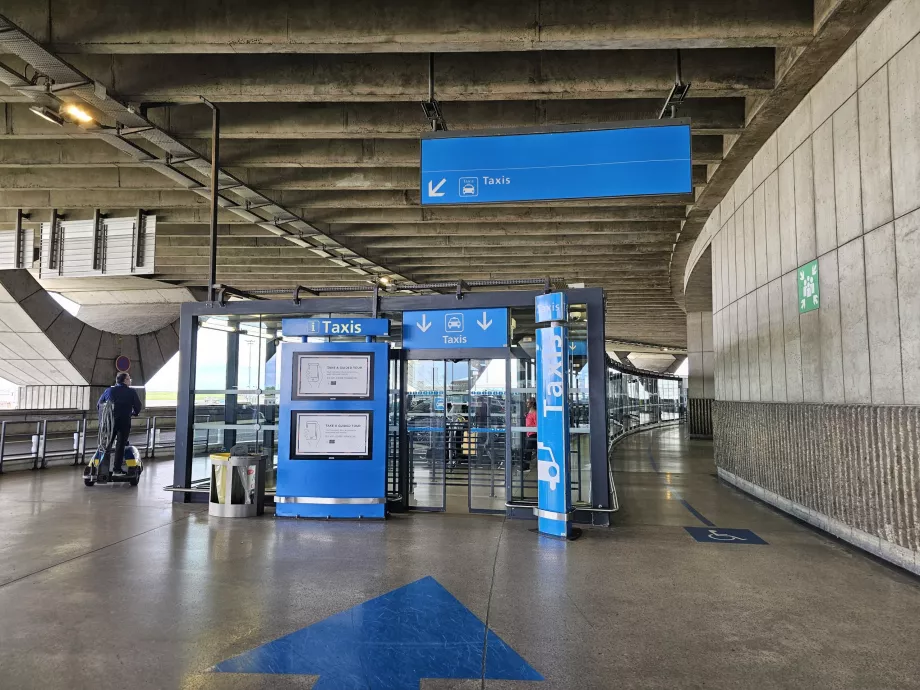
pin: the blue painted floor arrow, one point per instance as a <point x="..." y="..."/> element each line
<point x="390" y="643"/>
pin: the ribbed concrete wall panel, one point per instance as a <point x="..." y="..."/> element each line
<point x="858" y="464"/>
<point x="699" y="417"/>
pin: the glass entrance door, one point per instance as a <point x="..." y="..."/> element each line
<point x="456" y="434"/>
<point x="487" y="431"/>
<point x="426" y="434"/>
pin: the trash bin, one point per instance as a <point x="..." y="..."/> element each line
<point x="237" y="484"/>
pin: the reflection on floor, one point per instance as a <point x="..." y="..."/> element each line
<point x="113" y="587"/>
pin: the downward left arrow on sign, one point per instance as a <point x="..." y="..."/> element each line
<point x="433" y="189"/>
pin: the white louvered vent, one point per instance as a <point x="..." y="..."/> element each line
<point x="76" y="249"/>
<point x="8" y="248"/>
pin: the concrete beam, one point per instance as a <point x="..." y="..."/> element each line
<point x="369" y="26"/>
<point x="279" y="178"/>
<point x="637" y="268"/>
<point x="500" y="76"/>
<point x="624" y="252"/>
<point x="396" y="120"/>
<point x="474" y="217"/>
<point x="610" y="211"/>
<point x="285" y="179"/>
<point x="633" y="266"/>
<point x="661" y="228"/>
<point x="347" y="206"/>
<point x="264" y="153"/>
<point x="317" y="153"/>
<point x="177" y="245"/>
<point x="405" y="120"/>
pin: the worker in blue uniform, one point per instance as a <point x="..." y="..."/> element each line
<point x="127" y="404"/>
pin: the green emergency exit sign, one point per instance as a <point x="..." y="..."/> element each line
<point x="809" y="291"/>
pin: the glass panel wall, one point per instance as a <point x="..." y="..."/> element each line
<point x="638" y="399"/>
<point x="235" y="399"/>
<point x="579" y="409"/>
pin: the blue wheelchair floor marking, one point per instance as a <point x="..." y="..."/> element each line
<point x="710" y="534"/>
<point x="391" y="642"/>
<point x="724" y="535"/>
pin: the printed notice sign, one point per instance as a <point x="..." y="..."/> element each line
<point x="331" y="435"/>
<point x="342" y="375"/>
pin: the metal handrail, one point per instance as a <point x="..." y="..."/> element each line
<point x="39" y="453"/>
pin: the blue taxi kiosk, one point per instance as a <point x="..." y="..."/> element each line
<point x="384" y="458"/>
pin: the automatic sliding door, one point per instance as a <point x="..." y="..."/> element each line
<point x="425" y="402"/>
<point x="488" y="434"/>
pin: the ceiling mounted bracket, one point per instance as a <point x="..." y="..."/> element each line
<point x="677" y="94"/>
<point x="297" y="291"/>
<point x="431" y="107"/>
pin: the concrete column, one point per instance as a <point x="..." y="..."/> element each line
<point x="701" y="376"/>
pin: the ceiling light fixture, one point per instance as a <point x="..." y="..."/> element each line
<point x="48" y="114"/>
<point x="77" y="113"/>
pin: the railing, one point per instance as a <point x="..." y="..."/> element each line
<point x="21" y="431"/>
<point x="37" y="433"/>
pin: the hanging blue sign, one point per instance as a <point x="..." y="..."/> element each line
<point x="554" y="495"/>
<point x="552" y="307"/>
<point x="455" y="328"/>
<point x="633" y="159"/>
<point x="321" y="327"/>
<point x="578" y="348"/>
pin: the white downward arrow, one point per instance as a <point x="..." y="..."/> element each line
<point x="484" y="324"/>
<point x="424" y="325"/>
<point x="433" y="190"/>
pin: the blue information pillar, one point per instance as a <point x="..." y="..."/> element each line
<point x="554" y="482"/>
<point x="332" y="427"/>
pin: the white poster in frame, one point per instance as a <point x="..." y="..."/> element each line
<point x="331" y="435"/>
<point x="332" y="376"/>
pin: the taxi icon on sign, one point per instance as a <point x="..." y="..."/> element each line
<point x="469" y="186"/>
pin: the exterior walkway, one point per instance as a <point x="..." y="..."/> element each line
<point x="113" y="587"/>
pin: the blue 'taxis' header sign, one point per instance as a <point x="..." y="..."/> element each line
<point x="331" y="327"/>
<point x="455" y="328"/>
<point x="635" y="159"/>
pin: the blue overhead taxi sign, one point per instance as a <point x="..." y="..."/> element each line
<point x="626" y="159"/>
<point x="322" y="327"/>
<point x="455" y="328"/>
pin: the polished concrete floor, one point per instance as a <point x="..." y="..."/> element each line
<point x="113" y="587"/>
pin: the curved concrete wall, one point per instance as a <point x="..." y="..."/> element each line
<point x="839" y="183"/>
<point x="41" y="344"/>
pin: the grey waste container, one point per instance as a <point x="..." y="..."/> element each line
<point x="237" y="484"/>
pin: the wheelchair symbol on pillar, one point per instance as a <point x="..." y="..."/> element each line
<point x="547" y="468"/>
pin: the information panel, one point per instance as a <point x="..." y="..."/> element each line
<point x="632" y="159"/>
<point x="330" y="376"/>
<point x="331" y="435"/>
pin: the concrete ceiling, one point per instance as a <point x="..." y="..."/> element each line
<point x="320" y="112"/>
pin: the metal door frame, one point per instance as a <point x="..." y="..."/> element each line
<point x="469" y="482"/>
<point x="447" y="355"/>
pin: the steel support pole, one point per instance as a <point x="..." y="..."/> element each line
<point x="215" y="187"/>
<point x="18" y="258"/>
